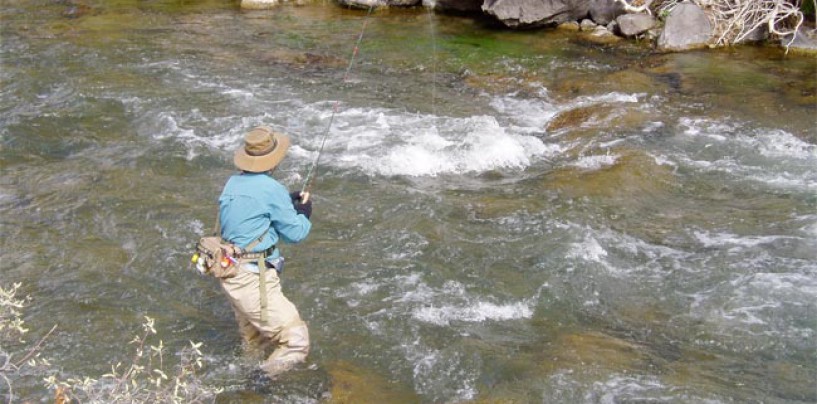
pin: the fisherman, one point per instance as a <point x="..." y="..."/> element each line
<point x="258" y="212"/>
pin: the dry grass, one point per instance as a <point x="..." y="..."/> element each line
<point x="146" y="379"/>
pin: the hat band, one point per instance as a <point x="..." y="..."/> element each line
<point x="264" y="151"/>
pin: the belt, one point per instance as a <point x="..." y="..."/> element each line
<point x="256" y="255"/>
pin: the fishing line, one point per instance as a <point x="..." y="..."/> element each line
<point x="312" y="173"/>
<point x="431" y="25"/>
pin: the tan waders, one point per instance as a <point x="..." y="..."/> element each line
<point x="282" y="327"/>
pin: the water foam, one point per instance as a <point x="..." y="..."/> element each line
<point x="477" y="312"/>
<point x="762" y="304"/>
<point x="732" y="240"/>
<point x="591" y="163"/>
<point x="609" y="388"/>
<point x="607" y="248"/>
<point x="768" y="143"/>
<point x="528" y="115"/>
<point x="453" y="303"/>
<point x="589" y="250"/>
<point x="609" y="98"/>
<point x="779" y="143"/>
<point x="443" y="373"/>
<point x="533" y="115"/>
<point x="810" y="229"/>
<point x="384" y="142"/>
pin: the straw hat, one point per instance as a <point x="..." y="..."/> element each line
<point x="263" y="150"/>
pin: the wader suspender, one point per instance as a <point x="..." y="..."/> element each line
<point x="262" y="266"/>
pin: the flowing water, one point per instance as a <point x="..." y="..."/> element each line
<point x="499" y="216"/>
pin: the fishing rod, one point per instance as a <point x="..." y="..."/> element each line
<point x="312" y="173"/>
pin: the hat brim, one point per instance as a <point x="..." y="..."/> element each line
<point x="259" y="164"/>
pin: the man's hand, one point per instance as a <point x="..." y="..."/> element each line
<point x="301" y="203"/>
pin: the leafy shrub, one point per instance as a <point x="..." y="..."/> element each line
<point x="146" y="379"/>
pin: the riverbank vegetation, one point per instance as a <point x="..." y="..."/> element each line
<point x="148" y="378"/>
<point x="736" y="21"/>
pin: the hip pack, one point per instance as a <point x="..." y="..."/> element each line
<point x="222" y="259"/>
<point x="217" y="257"/>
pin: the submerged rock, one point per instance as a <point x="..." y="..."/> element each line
<point x="629" y="173"/>
<point x="575" y="117"/>
<point x="687" y="27"/>
<point x="365" y="4"/>
<point x="266" y="4"/>
<point x="600" y="35"/>
<point x="632" y="81"/>
<point x="77" y="10"/>
<point x="258" y="4"/>
<point x="801" y="95"/>
<point x="596" y="350"/>
<point x="570" y="26"/>
<point x="352" y="384"/>
<point x="301" y="59"/>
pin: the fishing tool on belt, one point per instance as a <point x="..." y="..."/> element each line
<point x="312" y="173"/>
<point x="217" y="257"/>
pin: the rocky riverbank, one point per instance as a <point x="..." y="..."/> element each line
<point x="684" y="26"/>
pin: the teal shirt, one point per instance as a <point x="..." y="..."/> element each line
<point x="253" y="204"/>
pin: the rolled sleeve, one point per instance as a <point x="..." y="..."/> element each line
<point x="291" y="226"/>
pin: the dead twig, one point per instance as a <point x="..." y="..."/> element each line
<point x="36" y="348"/>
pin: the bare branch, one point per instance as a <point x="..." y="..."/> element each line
<point x="11" y="390"/>
<point x="643" y="7"/>
<point x="35" y="348"/>
<point x="735" y="20"/>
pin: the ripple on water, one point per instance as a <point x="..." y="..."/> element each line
<point x="772" y="158"/>
<point x="752" y="310"/>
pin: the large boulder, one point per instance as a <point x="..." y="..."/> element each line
<point x="805" y="42"/>
<point x="760" y="33"/>
<point x="603" y="12"/>
<point x="536" y="13"/>
<point x="455" y="6"/>
<point x="630" y="25"/>
<point x="687" y="27"/>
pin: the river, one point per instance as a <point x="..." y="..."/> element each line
<point x="498" y="216"/>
